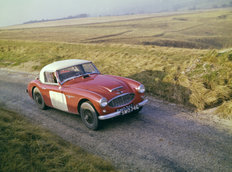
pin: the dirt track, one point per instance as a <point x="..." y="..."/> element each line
<point x="163" y="137"/>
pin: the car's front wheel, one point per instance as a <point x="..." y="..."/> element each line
<point x="89" y="116"/>
<point x="38" y="98"/>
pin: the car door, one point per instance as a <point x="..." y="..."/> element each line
<point x="54" y="93"/>
<point x="58" y="99"/>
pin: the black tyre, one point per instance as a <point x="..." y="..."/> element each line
<point x="38" y="98"/>
<point x="89" y="116"/>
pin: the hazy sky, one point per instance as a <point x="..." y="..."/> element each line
<point x="19" y="11"/>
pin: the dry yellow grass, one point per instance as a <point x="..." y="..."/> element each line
<point x="225" y="110"/>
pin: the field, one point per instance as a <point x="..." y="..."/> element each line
<point x="183" y="58"/>
<point x="27" y="147"/>
<point x="210" y="29"/>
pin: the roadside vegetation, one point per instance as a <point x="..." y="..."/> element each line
<point x="27" y="147"/>
<point x="164" y="53"/>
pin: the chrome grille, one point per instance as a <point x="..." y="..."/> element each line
<point x="121" y="100"/>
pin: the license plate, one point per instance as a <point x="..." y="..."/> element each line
<point x="128" y="109"/>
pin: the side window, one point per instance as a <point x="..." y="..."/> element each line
<point x="50" y="77"/>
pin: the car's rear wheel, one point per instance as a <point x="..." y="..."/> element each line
<point x="89" y="116"/>
<point x="38" y="98"/>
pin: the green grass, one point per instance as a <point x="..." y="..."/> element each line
<point x="201" y="29"/>
<point x="27" y="147"/>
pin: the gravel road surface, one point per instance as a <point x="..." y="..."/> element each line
<point x="162" y="137"/>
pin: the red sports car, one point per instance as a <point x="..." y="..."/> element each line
<point x="76" y="86"/>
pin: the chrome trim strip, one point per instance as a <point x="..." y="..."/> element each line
<point x="116" y="88"/>
<point x="114" y="114"/>
<point x="143" y="102"/>
<point x="108" y="116"/>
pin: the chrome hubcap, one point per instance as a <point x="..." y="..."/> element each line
<point x="88" y="116"/>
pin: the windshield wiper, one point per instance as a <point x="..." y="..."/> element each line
<point x="68" y="79"/>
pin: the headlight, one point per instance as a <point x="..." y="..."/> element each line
<point x="103" y="102"/>
<point x="141" y="88"/>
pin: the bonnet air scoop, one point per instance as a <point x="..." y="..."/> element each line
<point x="116" y="88"/>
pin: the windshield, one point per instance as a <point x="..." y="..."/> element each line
<point x="76" y="71"/>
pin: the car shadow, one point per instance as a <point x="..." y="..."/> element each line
<point x="149" y="115"/>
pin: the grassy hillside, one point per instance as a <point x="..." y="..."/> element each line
<point x="165" y="53"/>
<point x="201" y="29"/>
<point x="200" y="79"/>
<point x="27" y="147"/>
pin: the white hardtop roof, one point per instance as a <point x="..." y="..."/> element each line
<point x="63" y="64"/>
<point x="60" y="65"/>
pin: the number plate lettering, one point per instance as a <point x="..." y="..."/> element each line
<point x="128" y="109"/>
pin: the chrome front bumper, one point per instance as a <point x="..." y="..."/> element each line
<point x="114" y="114"/>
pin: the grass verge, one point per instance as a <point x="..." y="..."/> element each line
<point x="225" y="110"/>
<point x="27" y="147"/>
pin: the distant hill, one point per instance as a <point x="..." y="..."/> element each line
<point x="64" y="18"/>
<point x="153" y="7"/>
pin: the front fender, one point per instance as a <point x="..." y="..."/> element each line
<point x="77" y="95"/>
